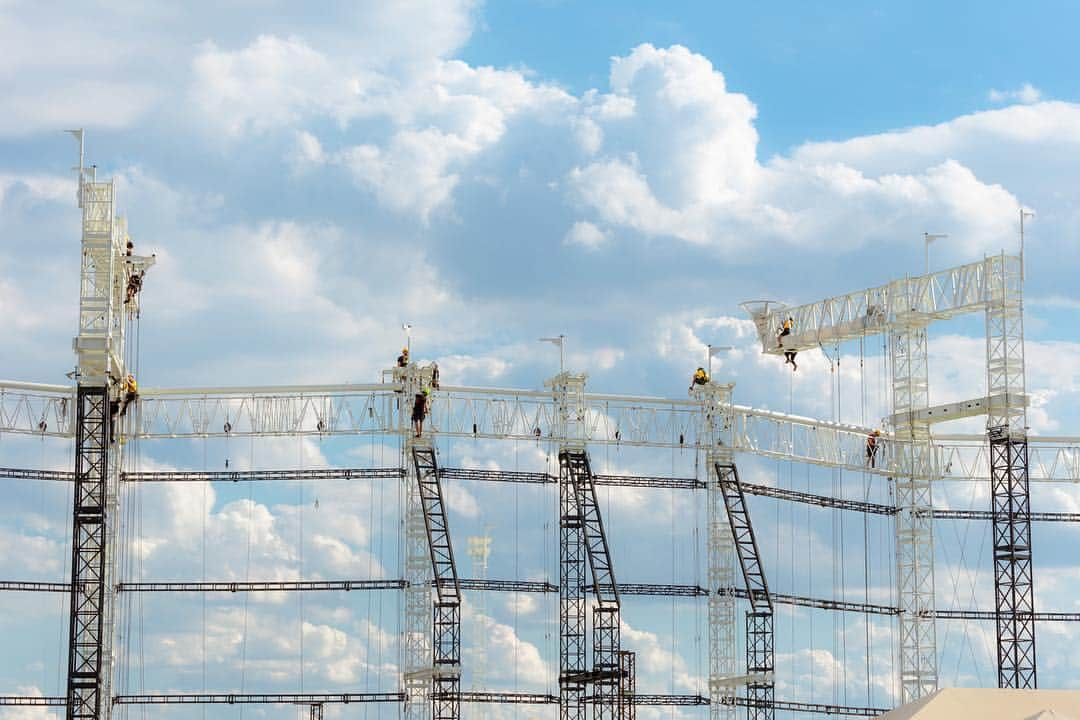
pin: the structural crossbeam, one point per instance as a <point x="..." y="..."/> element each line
<point x="258" y="698"/>
<point x="287" y="586"/>
<point x="264" y="475"/>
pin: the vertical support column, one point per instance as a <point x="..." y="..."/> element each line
<point x="571" y="600"/>
<point x="760" y="655"/>
<point x="89" y="547"/>
<point x="569" y="390"/>
<point x="627" y="685"/>
<point x="914" y="520"/>
<point x="418" y="601"/>
<point x="723" y="646"/>
<point x="479" y="551"/>
<point x="1010" y="498"/>
<point x="419" y="607"/>
<point x="99" y="350"/>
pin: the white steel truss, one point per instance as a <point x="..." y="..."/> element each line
<point x="498" y="414"/>
<point x="937" y="296"/>
<point x="724" y="680"/>
<point x="914" y="519"/>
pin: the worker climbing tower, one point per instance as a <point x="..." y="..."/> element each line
<point x="432" y="634"/>
<point x="106" y="269"/>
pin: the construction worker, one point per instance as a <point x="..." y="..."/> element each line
<point x="403" y="358"/>
<point x="789" y="357"/>
<point x="872" y="447"/>
<point x="421" y="406"/>
<point x="134" y="286"/>
<point x="785" y="330"/>
<point x="130" y="390"/>
<point x="700" y="378"/>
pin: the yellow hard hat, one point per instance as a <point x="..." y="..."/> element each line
<point x="405" y="351"/>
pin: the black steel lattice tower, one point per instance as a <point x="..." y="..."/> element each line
<point x="612" y="686"/>
<point x="1013" y="589"/>
<point x="759" y="620"/>
<point x="88" y="555"/>
<point x="446" y="621"/>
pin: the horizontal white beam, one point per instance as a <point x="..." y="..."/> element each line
<point x="957" y="410"/>
<point x="910" y="301"/>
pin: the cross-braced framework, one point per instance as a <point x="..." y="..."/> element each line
<point x="1009" y="490"/>
<point x="564" y="415"/>
<point x="446" y="623"/>
<point x="914" y="519"/>
<point x="760" y="655"/>
<point x="903" y="309"/>
<point x="88" y="551"/>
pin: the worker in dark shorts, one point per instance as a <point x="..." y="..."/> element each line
<point x="420" y="409"/>
<point x="785" y="330"/>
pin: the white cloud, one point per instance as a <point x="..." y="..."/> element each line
<point x="585" y="234"/>
<point x="1026" y="94"/>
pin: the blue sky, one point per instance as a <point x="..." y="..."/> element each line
<point x="622" y="173"/>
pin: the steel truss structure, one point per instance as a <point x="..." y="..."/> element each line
<point x="760" y="663"/>
<point x="446" y="622"/>
<point x="902" y="310"/>
<point x="565" y="415"/>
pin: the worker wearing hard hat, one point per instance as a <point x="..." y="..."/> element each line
<point x="403" y="358"/>
<point x="700" y="378"/>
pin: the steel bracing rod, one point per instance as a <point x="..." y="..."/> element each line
<point x="26" y="474"/>
<point x="818" y="500"/>
<point x="88" y="596"/>
<point x="507" y="698"/>
<point x="258" y="699"/>
<point x="264" y="475"/>
<point x="879" y="509"/>
<point x="992" y="615"/>
<point x="34" y="586"/>
<point x="273" y="586"/>
<point x="873" y="311"/>
<point x="815" y="708"/>
<point x="34" y="700"/>
<point x="528" y="586"/>
<point x="823" y="604"/>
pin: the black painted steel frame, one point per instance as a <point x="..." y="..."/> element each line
<point x="1013" y="584"/>
<point x="571" y="598"/>
<point x="88" y="554"/>
<point x="759" y="621"/>
<point x="446" y="622"/>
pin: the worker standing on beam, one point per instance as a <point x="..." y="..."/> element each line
<point x="403" y="358"/>
<point x="421" y="405"/>
<point x="872" y="447"/>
